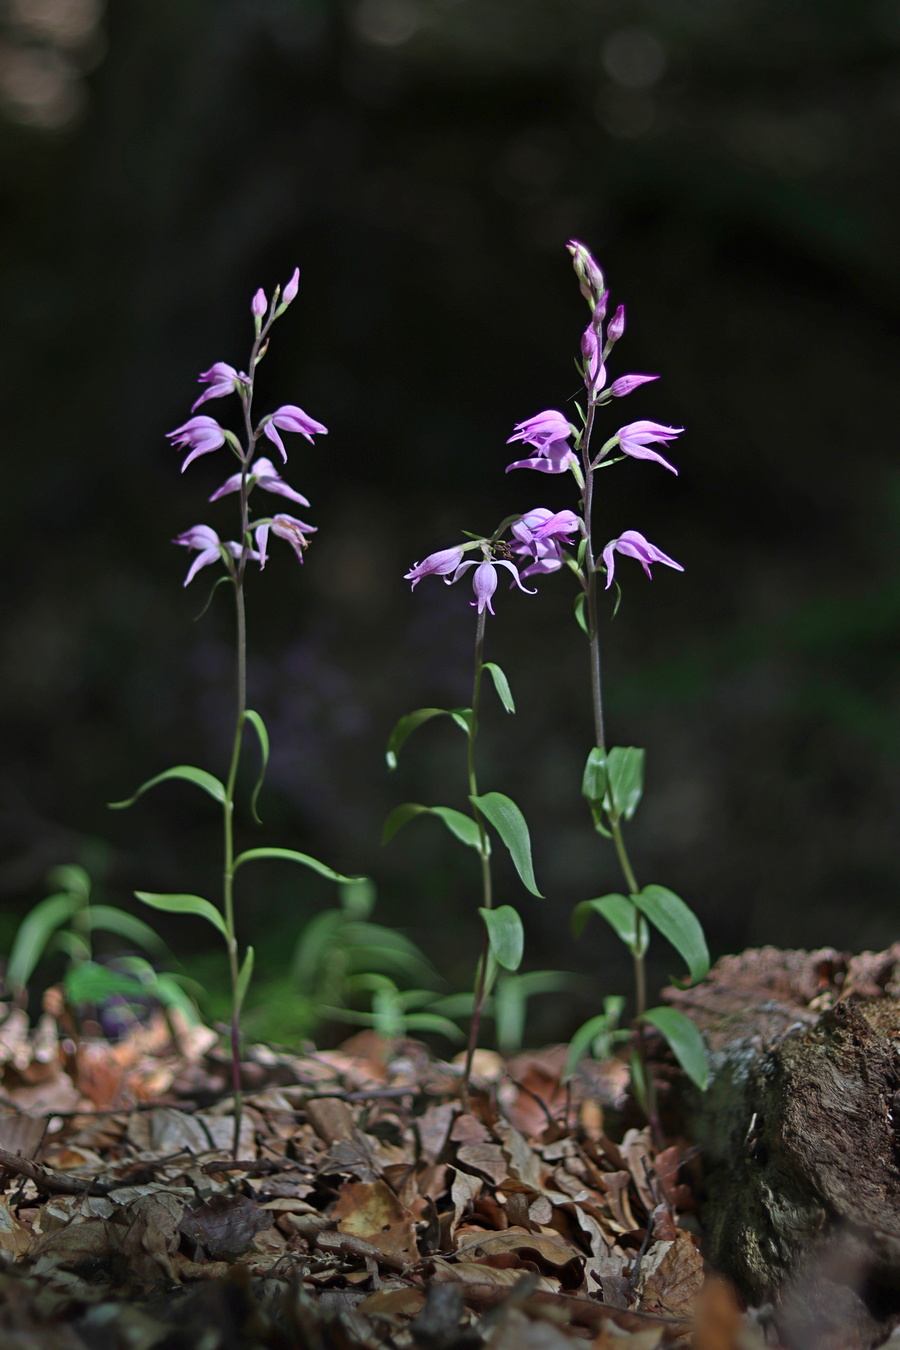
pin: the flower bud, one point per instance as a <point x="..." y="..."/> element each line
<point x="616" y="325"/>
<point x="590" y="277"/>
<point x="290" y="290"/>
<point x="259" y="304"/>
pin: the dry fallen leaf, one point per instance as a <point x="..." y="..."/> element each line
<point x="371" y="1211"/>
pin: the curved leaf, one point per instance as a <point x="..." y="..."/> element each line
<point x="505" y="935"/>
<point x="34" y="932"/>
<point x="243" y="981"/>
<point x="580" y="616"/>
<point x="463" y="827"/>
<point x="185" y="904"/>
<point x="501" y="684"/>
<point x="678" y="924"/>
<point x="262" y="735"/>
<point x="405" y="727"/>
<point x="291" y="855"/>
<point x="199" y="777"/>
<point x="112" y="920"/>
<point x="593" y="780"/>
<point x="625" y="778"/>
<point x="508" y="821"/>
<point x="687" y="1044"/>
<point x="70" y="877"/>
<point x="622" y="916"/>
<point x="89" y="982"/>
<point x="442" y="1026"/>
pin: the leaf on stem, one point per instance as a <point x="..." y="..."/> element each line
<point x="678" y="924"/>
<point x="72" y="878"/>
<point x="112" y="920"/>
<point x="243" y="981"/>
<point x="185" y="904"/>
<point x="463" y="827"/>
<point x="506" y="935"/>
<point x="622" y="916"/>
<point x="685" y="1040"/>
<point x="199" y="777"/>
<point x="506" y="818"/>
<point x="259" y="727"/>
<point x="291" y="855"/>
<point x="408" y="724"/>
<point x="501" y="684"/>
<point x="580" y="618"/>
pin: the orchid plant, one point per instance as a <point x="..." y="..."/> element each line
<point x="201" y="434"/>
<point x="614" y="776"/>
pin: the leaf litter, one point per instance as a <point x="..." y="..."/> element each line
<point x="366" y="1208"/>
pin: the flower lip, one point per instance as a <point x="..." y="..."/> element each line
<point x="222" y="379"/>
<point x="635" y="438"/>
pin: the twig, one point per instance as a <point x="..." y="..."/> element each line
<point x="51" y="1183"/>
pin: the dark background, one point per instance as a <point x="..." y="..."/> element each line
<point x="733" y="165"/>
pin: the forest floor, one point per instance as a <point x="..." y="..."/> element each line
<point x="366" y="1207"/>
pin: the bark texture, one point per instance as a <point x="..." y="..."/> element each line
<point x="800" y="1132"/>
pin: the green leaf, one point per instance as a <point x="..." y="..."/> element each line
<point x="34" y="932"/>
<point x="625" y="779"/>
<point x="405" y="727"/>
<point x="243" y="981"/>
<point x="593" y="781"/>
<point x="319" y="936"/>
<point x="501" y="684"/>
<point x="678" y="924"/>
<point x="357" y="898"/>
<point x="463" y="718"/>
<point x="259" y="727"/>
<point x="506" y="935"/>
<point x="462" y="826"/>
<point x="509" y="823"/>
<point x="185" y="904"/>
<point x="622" y="916"/>
<point x="429" y="1021"/>
<point x="199" y="777"/>
<point x="580" y="619"/>
<point x="291" y="855"/>
<point x="89" y="982"/>
<point x="686" y="1042"/>
<point x="112" y="920"/>
<point x="72" y="878"/>
<point x="594" y="1029"/>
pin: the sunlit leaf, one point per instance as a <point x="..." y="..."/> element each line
<point x="291" y="855"/>
<point x="262" y="735"/>
<point x="686" y="1042"/>
<point x="678" y="924"/>
<point x="506" y="818"/>
<point x="185" y="904"/>
<point x="199" y="777"/>
<point x="505" y="935"/>
<point x="501" y="684"/>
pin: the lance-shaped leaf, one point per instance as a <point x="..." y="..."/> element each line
<point x="243" y="981"/>
<point x="678" y="924"/>
<point x="580" y="616"/>
<point x="199" y="777"/>
<point x="622" y="916"/>
<point x="460" y="825"/>
<point x="72" y="878"/>
<point x="506" y="935"/>
<point x="509" y="823"/>
<point x="685" y="1040"/>
<point x="501" y="684"/>
<point x="262" y="736"/>
<point x="625" y="779"/>
<point x="34" y="933"/>
<point x="185" y="904"/>
<point x="412" y="721"/>
<point x="112" y="920"/>
<point x="291" y="855"/>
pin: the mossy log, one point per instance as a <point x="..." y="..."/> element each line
<point x="800" y="1137"/>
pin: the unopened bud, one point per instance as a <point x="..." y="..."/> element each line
<point x="616" y="325"/>
<point x="259" y="304"/>
<point x="290" y="290"/>
<point x="590" y="277"/>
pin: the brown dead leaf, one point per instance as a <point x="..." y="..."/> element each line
<point x="487" y="1159"/>
<point x="637" y="1151"/>
<point x="464" y="1190"/>
<point x="551" y="1254"/>
<point x="225" y="1225"/>
<point x="671" y="1277"/>
<point x="434" y="1126"/>
<point x="15" y="1238"/>
<point x="153" y="1230"/>
<point x="468" y="1129"/>
<point x="394" y="1304"/>
<point x="371" y="1211"/>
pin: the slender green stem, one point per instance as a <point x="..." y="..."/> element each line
<point x="484" y="852"/>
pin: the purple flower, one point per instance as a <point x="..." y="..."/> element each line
<point x="484" y="582"/>
<point x="634" y="439"/>
<point x="222" y="379"/>
<point x="290" y="290"/>
<point x="631" y="544"/>
<point x="262" y="474"/>
<point x="201" y="433"/>
<point x="539" y="535"/>
<point x="291" y="418"/>
<point x="436" y="564"/>
<point x="594" y="369"/>
<point x="259" y="304"/>
<point x="210" y="545"/>
<point x="286" y="527"/>
<point x="549" y="433"/>
<point x="626" y="383"/>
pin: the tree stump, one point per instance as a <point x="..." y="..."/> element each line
<point x="800" y="1136"/>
